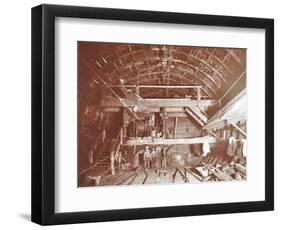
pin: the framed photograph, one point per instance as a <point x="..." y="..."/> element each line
<point x="142" y="114"/>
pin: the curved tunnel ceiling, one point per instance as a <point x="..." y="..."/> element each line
<point x="215" y="69"/>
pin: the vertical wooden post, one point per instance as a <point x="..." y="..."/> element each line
<point x="176" y="124"/>
<point x="135" y="129"/>
<point x="153" y="120"/>
<point x="224" y="134"/>
<point x="137" y="91"/>
<point x="198" y="94"/>
<point x="121" y="135"/>
<point x="125" y="123"/>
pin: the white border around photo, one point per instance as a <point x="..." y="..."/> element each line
<point x="69" y="198"/>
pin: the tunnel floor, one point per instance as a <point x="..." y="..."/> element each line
<point x="163" y="176"/>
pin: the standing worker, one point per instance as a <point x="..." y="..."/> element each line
<point x="231" y="149"/>
<point x="153" y="157"/>
<point x="147" y="158"/>
<point x="163" y="158"/>
<point x="206" y="151"/>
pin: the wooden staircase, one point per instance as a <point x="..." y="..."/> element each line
<point x="104" y="155"/>
<point x="197" y="115"/>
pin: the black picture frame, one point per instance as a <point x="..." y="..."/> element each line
<point x="43" y="114"/>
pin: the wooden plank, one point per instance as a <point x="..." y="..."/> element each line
<point x="202" y="172"/>
<point x="229" y="170"/>
<point x="170" y="112"/>
<point x="212" y="133"/>
<point x="158" y="103"/>
<point x="190" y="176"/>
<point x="188" y="110"/>
<point x="161" y="141"/>
<point x="198" y="113"/>
<point x="218" y="124"/>
<point x="198" y="94"/>
<point x="222" y="176"/>
<point x="239" y="129"/>
<point x="179" y="114"/>
<point x="241" y="168"/>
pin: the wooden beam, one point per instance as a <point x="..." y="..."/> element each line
<point x="198" y="113"/>
<point x="178" y="114"/>
<point x="239" y="129"/>
<point x="185" y="141"/>
<point x="188" y="110"/>
<point x="153" y="103"/>
<point x="198" y="94"/>
<point x="221" y="175"/>
<point x="171" y="112"/>
<point x="212" y="133"/>
<point x="138" y="91"/>
<point x="218" y="124"/>
<point x="241" y="168"/>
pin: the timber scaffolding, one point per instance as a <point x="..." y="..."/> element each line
<point x="176" y="107"/>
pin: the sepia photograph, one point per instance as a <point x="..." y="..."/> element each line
<point x="160" y="114"/>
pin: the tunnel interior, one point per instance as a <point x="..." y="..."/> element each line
<point x="170" y="101"/>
